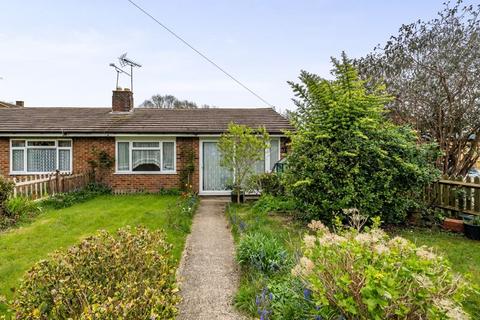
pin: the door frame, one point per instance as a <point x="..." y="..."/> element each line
<point x="208" y="192"/>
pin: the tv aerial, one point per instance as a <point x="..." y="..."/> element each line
<point x="124" y="61"/>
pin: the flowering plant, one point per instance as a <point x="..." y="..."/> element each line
<point x="368" y="275"/>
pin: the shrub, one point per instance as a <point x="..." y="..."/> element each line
<point x="285" y="298"/>
<point x="345" y="153"/>
<point x="268" y="183"/>
<point x="64" y="200"/>
<point x="268" y="203"/>
<point x="6" y="190"/>
<point x="127" y="276"/>
<point x="261" y="252"/>
<point x="16" y="209"/>
<point x="367" y="275"/>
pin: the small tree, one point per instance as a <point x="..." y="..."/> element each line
<point x="241" y="147"/>
<point x="345" y="154"/>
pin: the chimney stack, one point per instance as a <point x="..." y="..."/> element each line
<point x="122" y="100"/>
<point x="20" y="103"/>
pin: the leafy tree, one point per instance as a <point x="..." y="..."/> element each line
<point x="241" y="147"/>
<point x="432" y="69"/>
<point x="345" y="154"/>
<point x="169" y="102"/>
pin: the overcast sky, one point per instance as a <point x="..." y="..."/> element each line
<point x="56" y="53"/>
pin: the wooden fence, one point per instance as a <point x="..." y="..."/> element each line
<point x="455" y="196"/>
<point x="40" y="186"/>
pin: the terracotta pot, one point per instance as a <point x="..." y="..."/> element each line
<point x="455" y="225"/>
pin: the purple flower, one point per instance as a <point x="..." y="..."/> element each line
<point x="307" y="294"/>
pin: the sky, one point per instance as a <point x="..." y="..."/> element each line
<point x="57" y="53"/>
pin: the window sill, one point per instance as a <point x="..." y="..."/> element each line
<point x="145" y="172"/>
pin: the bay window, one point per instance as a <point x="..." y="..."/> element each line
<point x="40" y="156"/>
<point x="145" y="157"/>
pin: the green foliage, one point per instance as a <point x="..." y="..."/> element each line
<point x="262" y="253"/>
<point x="127" y="276"/>
<point x="6" y="190"/>
<point x="17" y="209"/>
<point x="268" y="183"/>
<point x="180" y="216"/>
<point x="367" y="275"/>
<point x="241" y="147"/>
<point x="268" y="203"/>
<point x="64" y="200"/>
<point x="345" y="154"/>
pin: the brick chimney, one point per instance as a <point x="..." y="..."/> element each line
<point x="19" y="103"/>
<point x="122" y="100"/>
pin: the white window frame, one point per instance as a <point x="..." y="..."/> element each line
<point x="215" y="139"/>
<point x="130" y="155"/>
<point x="25" y="156"/>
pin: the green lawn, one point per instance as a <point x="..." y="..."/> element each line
<point x="464" y="254"/>
<point x="21" y="247"/>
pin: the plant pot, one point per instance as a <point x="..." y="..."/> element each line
<point x="472" y="231"/>
<point x="234" y="197"/>
<point x="455" y="225"/>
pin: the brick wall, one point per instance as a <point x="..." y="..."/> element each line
<point x="4" y="156"/>
<point x="82" y="153"/>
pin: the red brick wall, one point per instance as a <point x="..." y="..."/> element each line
<point x="82" y="153"/>
<point x="4" y="156"/>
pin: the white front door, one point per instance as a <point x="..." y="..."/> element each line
<point x="215" y="178"/>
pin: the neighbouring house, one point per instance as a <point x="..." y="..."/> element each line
<point x="150" y="146"/>
<point x="11" y="105"/>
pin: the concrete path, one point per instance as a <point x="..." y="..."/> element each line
<point x="208" y="272"/>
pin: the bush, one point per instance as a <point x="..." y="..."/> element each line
<point x="127" y="276"/>
<point x="17" y="209"/>
<point x="285" y="298"/>
<point x="268" y="184"/>
<point x="268" y="203"/>
<point x="344" y="153"/>
<point x="366" y="275"/>
<point x="64" y="200"/>
<point x="6" y="190"/>
<point x="262" y="253"/>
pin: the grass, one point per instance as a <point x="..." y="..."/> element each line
<point x="464" y="254"/>
<point x="21" y="247"/>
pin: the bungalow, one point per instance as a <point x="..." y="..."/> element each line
<point x="150" y="146"/>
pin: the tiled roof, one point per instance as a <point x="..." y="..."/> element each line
<point x="141" y="120"/>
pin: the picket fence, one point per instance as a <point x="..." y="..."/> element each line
<point x="44" y="185"/>
<point x="455" y="196"/>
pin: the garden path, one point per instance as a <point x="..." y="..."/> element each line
<point x="208" y="272"/>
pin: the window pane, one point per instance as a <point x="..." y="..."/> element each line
<point x="17" y="160"/>
<point x="18" y="143"/>
<point x="260" y="165"/>
<point x="41" y="143"/>
<point x="41" y="160"/>
<point x="64" y="143"/>
<point x="146" y="160"/>
<point x="64" y="160"/>
<point x="168" y="156"/>
<point x="123" y="163"/>
<point x="146" y="145"/>
<point x="274" y="152"/>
